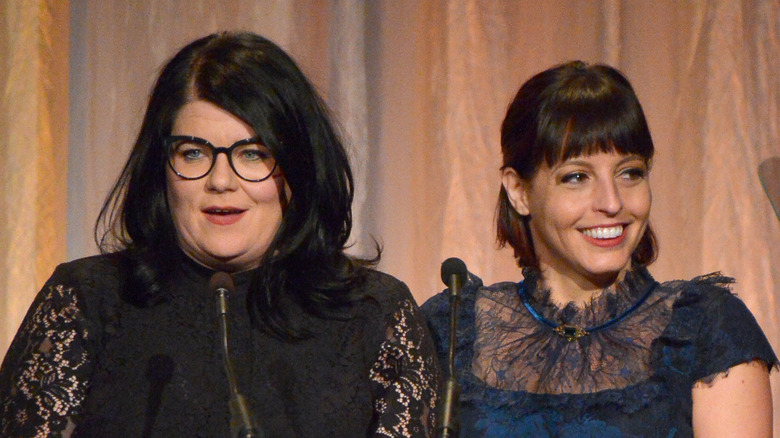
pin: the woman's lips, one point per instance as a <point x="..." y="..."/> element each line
<point x="605" y="237"/>
<point x="223" y="216"/>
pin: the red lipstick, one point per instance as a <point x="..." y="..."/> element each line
<point x="606" y="243"/>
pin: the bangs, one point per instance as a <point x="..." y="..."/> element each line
<point x="601" y="118"/>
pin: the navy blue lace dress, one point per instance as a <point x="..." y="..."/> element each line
<point x="519" y="378"/>
<point x="87" y="363"/>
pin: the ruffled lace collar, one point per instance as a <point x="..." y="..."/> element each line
<point x="515" y="351"/>
<point x="602" y="308"/>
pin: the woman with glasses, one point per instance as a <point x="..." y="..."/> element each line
<point x="236" y="169"/>
<point x="589" y="344"/>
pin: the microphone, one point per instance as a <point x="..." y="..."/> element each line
<point x="242" y="424"/>
<point x="454" y="274"/>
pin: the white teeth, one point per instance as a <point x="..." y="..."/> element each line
<point x="604" y="233"/>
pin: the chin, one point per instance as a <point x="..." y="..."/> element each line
<point x="606" y="275"/>
<point x="238" y="262"/>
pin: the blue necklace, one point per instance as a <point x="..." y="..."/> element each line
<point x="572" y="332"/>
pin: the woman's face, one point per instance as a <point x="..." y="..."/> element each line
<point x="223" y="221"/>
<point x="587" y="215"/>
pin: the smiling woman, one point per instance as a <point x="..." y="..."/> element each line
<point x="589" y="344"/>
<point x="586" y="216"/>
<point x="237" y="169"/>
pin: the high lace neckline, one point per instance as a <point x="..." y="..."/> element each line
<point x="514" y="351"/>
<point x="604" y="309"/>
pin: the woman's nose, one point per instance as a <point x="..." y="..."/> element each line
<point x="221" y="177"/>
<point x="607" y="198"/>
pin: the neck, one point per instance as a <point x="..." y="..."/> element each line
<point x="566" y="289"/>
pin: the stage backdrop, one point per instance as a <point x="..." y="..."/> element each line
<point x="420" y="88"/>
<point x="33" y="152"/>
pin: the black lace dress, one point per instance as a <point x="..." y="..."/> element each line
<point x="87" y="363"/>
<point x="632" y="379"/>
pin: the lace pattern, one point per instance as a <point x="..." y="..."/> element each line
<point x="86" y="363"/>
<point x="48" y="388"/>
<point x="514" y="351"/>
<point x="407" y="373"/>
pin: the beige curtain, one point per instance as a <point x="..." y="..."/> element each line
<point x="33" y="151"/>
<point x="420" y="88"/>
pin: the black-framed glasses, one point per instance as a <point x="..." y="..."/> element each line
<point x="193" y="157"/>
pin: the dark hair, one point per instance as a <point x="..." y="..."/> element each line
<point x="255" y="80"/>
<point x="569" y="110"/>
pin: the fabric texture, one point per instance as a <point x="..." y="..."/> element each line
<point x="520" y="378"/>
<point x="88" y="362"/>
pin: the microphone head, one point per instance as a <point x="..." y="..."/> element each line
<point x="454" y="266"/>
<point x="221" y="280"/>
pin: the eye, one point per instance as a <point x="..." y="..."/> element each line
<point x="574" y="178"/>
<point x="191" y="151"/>
<point x="252" y="152"/>
<point x="633" y="173"/>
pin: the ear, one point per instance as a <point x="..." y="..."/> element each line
<point x="517" y="190"/>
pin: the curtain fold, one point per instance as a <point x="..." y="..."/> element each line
<point x="471" y="103"/>
<point x="349" y="100"/>
<point x="33" y="152"/>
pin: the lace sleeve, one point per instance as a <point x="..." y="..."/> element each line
<point x="407" y="375"/>
<point x="729" y="333"/>
<point x="43" y="379"/>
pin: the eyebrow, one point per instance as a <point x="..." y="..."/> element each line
<point x="578" y="162"/>
<point x="249" y="140"/>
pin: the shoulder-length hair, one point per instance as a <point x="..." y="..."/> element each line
<point x="566" y="111"/>
<point x="255" y="80"/>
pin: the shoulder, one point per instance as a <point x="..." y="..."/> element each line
<point x="92" y="282"/>
<point x="383" y="288"/>
<point x="708" y="301"/>
<point x="438" y="306"/>
<point x="90" y="270"/>
<point x="383" y="296"/>
<point x="377" y="282"/>
<point x="722" y="330"/>
<point x="437" y="309"/>
<point x="702" y="291"/>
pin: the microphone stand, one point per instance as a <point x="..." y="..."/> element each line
<point x="448" y="422"/>
<point x="242" y="424"/>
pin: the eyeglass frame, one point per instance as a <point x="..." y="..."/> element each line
<point x="169" y="140"/>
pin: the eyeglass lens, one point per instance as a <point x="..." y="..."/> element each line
<point x="193" y="158"/>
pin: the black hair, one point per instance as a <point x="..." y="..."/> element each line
<point x="569" y="110"/>
<point x="256" y="81"/>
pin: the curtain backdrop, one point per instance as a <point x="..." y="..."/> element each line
<point x="33" y="151"/>
<point x="420" y="89"/>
